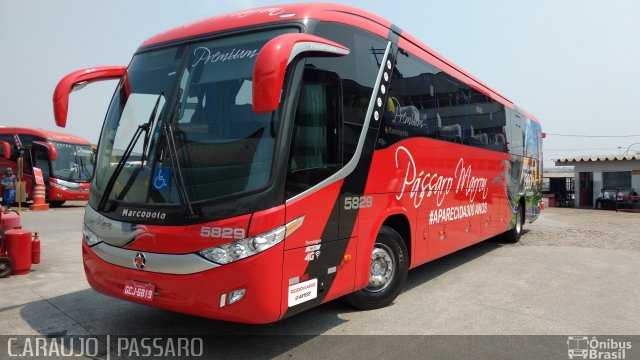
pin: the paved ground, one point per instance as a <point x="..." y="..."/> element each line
<point x="574" y="272"/>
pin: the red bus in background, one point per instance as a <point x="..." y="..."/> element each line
<point x="259" y="163"/>
<point x="66" y="161"/>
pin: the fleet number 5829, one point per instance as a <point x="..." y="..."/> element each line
<point x="358" y="202"/>
<point x="222" y="232"/>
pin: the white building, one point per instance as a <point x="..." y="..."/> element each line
<point x="608" y="172"/>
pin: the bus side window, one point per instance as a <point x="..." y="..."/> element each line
<point x="315" y="152"/>
<point x="517" y="134"/>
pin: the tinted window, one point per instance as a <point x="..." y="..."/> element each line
<point x="28" y="139"/>
<point x="357" y="72"/>
<point x="517" y="134"/>
<point x="216" y="117"/>
<point x="452" y="119"/>
<point x="315" y="145"/>
<point x="73" y="162"/>
<point x="412" y="105"/>
<point x="425" y="101"/>
<point x="9" y="139"/>
<point x="204" y="135"/>
<point x="487" y="122"/>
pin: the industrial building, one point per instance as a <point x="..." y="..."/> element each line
<point x="609" y="172"/>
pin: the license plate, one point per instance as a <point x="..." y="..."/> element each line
<point x="138" y="290"/>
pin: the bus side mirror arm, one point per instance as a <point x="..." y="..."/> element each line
<point x="273" y="59"/>
<point x="76" y="81"/>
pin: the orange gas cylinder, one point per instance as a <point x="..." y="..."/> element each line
<point x="35" y="249"/>
<point x="19" y="248"/>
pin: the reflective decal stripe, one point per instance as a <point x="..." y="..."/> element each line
<point x="301" y="47"/>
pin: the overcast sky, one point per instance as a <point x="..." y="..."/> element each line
<point x="575" y="64"/>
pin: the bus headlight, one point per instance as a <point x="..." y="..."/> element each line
<point x="238" y="250"/>
<point x="89" y="237"/>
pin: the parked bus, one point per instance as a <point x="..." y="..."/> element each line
<point x="66" y="161"/>
<point x="259" y="163"/>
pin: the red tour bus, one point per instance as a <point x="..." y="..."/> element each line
<point x="66" y="161"/>
<point x="259" y="163"/>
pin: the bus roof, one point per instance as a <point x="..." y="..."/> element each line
<point x="324" y="12"/>
<point x="46" y="134"/>
<point x="266" y="15"/>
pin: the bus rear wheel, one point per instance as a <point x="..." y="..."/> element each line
<point x="513" y="236"/>
<point x="56" y="203"/>
<point x="388" y="272"/>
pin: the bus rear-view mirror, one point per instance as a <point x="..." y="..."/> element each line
<point x="76" y="81"/>
<point x="6" y="149"/>
<point x="273" y="59"/>
<point x="49" y="148"/>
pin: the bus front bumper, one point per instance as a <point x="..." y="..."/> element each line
<point x="57" y="194"/>
<point x="200" y="293"/>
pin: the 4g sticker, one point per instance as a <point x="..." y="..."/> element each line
<point x="312" y="252"/>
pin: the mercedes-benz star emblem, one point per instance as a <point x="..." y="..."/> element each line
<point x="139" y="261"/>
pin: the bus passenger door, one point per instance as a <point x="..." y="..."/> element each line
<point x="41" y="161"/>
<point x="314" y="253"/>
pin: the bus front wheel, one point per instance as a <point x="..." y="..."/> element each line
<point x="56" y="203"/>
<point x="388" y="272"/>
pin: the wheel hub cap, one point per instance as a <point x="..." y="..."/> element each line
<point x="382" y="268"/>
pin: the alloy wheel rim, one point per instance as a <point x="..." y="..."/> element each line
<point x="382" y="268"/>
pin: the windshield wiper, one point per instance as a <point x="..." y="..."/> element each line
<point x="82" y="167"/>
<point x="127" y="152"/>
<point x="148" y="132"/>
<point x="177" y="173"/>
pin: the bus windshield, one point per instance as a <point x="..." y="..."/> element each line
<point x="73" y="162"/>
<point x="200" y="96"/>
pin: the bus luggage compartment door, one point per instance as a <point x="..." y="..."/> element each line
<point x="316" y="273"/>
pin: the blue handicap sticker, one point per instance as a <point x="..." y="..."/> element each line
<point x="161" y="178"/>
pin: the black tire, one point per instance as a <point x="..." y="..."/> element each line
<point x="513" y="236"/>
<point x="6" y="267"/>
<point x="56" y="203"/>
<point x="383" y="288"/>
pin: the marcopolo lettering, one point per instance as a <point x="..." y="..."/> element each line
<point x="143" y="214"/>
